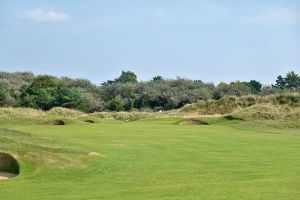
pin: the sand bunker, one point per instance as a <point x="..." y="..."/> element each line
<point x="56" y="122"/>
<point x="192" y="121"/>
<point x="89" y="121"/>
<point x="6" y="175"/>
<point x="230" y="117"/>
<point x="9" y="166"/>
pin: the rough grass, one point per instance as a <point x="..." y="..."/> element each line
<point x="125" y="116"/>
<point x="58" y="111"/>
<point x="282" y="107"/>
<point x="192" y="121"/>
<point x="281" y="114"/>
<point x="230" y="104"/>
<point x="26" y="112"/>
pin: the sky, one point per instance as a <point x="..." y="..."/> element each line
<point x="209" y="40"/>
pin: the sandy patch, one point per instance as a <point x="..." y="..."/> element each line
<point x="5" y="175"/>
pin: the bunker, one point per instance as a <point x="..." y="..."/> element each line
<point x="9" y="166"/>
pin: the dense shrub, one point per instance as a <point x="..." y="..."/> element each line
<point x="44" y="93"/>
<point x="234" y="89"/>
<point x="116" y="104"/>
<point x="2" y="95"/>
<point x="125" y="93"/>
<point x="291" y="82"/>
<point x="287" y="99"/>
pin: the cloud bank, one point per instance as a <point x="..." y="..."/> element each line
<point x="40" y="15"/>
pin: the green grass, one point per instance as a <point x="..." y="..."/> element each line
<point x="152" y="159"/>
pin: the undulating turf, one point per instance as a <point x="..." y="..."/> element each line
<point x="152" y="159"/>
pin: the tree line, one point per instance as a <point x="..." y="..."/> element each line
<point x="125" y="93"/>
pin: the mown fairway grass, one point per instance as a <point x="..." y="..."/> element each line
<point x="152" y="159"/>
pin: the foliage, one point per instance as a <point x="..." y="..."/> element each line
<point x="157" y="78"/>
<point x="68" y="98"/>
<point x="255" y="86"/>
<point x="116" y="104"/>
<point x="291" y="81"/>
<point x="125" y="77"/>
<point x="125" y="92"/>
<point x="233" y="89"/>
<point x="44" y="93"/>
<point x="2" y="95"/>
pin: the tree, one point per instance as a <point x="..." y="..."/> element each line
<point x="69" y="98"/>
<point x="40" y="93"/>
<point x="255" y="86"/>
<point x="44" y="93"/>
<point x="292" y="80"/>
<point x="130" y="102"/>
<point x="127" y="77"/>
<point x="157" y="78"/>
<point x="280" y="82"/>
<point x="2" y="95"/>
<point x="236" y="88"/>
<point x="46" y="82"/>
<point x="116" y="104"/>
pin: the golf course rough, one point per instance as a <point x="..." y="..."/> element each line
<point x="153" y="159"/>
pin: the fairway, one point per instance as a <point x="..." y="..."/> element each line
<point x="152" y="159"/>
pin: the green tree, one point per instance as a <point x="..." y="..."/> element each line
<point x="157" y="78"/>
<point x="69" y="98"/>
<point x="127" y="77"/>
<point x="255" y="86"/>
<point x="2" y="95"/>
<point x="40" y="93"/>
<point x="116" y="104"/>
<point x="130" y="102"/>
<point x="280" y="82"/>
<point x="292" y="80"/>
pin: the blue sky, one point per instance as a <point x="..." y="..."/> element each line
<point x="199" y="39"/>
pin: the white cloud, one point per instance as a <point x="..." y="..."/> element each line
<point x="282" y="16"/>
<point x="40" y="15"/>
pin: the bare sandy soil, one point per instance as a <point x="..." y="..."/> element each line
<point x="5" y="175"/>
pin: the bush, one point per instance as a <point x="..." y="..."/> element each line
<point x="2" y="95"/>
<point x="116" y="104"/>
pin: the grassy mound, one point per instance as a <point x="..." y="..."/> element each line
<point x="64" y="112"/>
<point x="230" y="104"/>
<point x="125" y="116"/>
<point x="280" y="114"/>
<point x="261" y="112"/>
<point x="9" y="164"/>
<point x="28" y="112"/>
